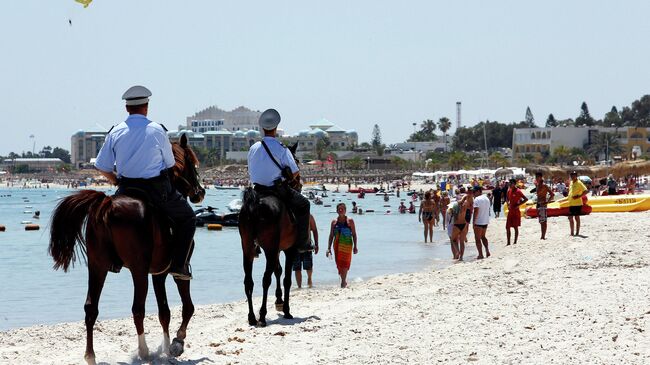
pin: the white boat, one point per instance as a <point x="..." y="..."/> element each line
<point x="227" y="187"/>
<point x="235" y="205"/>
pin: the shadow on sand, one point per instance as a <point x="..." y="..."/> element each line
<point x="290" y="322"/>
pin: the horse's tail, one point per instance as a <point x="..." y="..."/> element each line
<point x="66" y="228"/>
<point x="249" y="212"/>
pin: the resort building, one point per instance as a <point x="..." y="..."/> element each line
<point x="543" y="141"/>
<point x="85" y="146"/>
<point x="215" y="119"/>
<point x="32" y="164"/>
<point x="332" y="135"/>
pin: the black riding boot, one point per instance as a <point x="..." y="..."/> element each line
<point x="182" y="237"/>
<point x="180" y="267"/>
<point x="303" y="244"/>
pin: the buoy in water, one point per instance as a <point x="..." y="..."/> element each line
<point x="2" y="228"/>
<point x="214" y="227"/>
<point x="32" y="227"/>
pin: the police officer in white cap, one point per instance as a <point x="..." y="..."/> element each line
<point x="135" y="156"/>
<point x="265" y="174"/>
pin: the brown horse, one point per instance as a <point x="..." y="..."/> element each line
<point x="124" y="230"/>
<point x="264" y="221"/>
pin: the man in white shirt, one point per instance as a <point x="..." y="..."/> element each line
<point x="481" y="221"/>
<point x="272" y="167"/>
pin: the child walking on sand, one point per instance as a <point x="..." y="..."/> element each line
<point x="343" y="235"/>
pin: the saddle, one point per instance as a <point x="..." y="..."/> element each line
<point x="161" y="220"/>
<point x="276" y="191"/>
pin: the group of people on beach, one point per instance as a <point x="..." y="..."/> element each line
<point x="469" y="206"/>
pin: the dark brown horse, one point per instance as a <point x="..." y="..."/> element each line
<point x="264" y="221"/>
<point x="123" y="230"/>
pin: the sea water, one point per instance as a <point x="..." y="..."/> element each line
<point x="31" y="292"/>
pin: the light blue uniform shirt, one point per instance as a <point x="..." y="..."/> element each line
<point x="137" y="147"/>
<point x="261" y="168"/>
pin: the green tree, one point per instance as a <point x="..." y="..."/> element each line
<point x="561" y="154"/>
<point x="426" y="132"/>
<point x="356" y="163"/>
<point x="604" y="143"/>
<point x="530" y="120"/>
<point x="321" y="147"/>
<point x="458" y="160"/>
<point x="444" y="124"/>
<point x="613" y="118"/>
<point x="585" y="117"/>
<point x="46" y="152"/>
<point x="497" y="159"/>
<point x="61" y="153"/>
<point x="550" y="121"/>
<point x="376" y="141"/>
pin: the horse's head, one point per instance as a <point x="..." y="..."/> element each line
<point x="186" y="176"/>
<point x="296" y="184"/>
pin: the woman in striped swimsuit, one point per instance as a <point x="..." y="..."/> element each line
<point x="344" y="237"/>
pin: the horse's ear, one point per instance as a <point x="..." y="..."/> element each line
<point x="183" y="140"/>
<point x="293" y="148"/>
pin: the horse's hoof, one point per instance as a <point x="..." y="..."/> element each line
<point x="176" y="348"/>
<point x="252" y="320"/>
<point x="288" y="316"/>
<point x="262" y="323"/>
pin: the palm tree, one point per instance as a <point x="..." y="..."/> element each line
<point x="428" y="126"/>
<point x="561" y="154"/>
<point x="498" y="159"/>
<point x="458" y="160"/>
<point x="444" y="125"/>
<point x="606" y="143"/>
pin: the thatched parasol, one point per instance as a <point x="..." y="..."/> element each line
<point x="503" y="172"/>
<point x="635" y="167"/>
<point x="548" y="171"/>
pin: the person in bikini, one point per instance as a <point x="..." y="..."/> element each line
<point x="444" y="204"/>
<point x="544" y="196"/>
<point x="461" y="225"/>
<point x="425" y="215"/>
<point x="436" y="207"/>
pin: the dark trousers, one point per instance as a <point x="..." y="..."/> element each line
<point x="163" y="196"/>
<point x="298" y="204"/>
<point x="300" y="207"/>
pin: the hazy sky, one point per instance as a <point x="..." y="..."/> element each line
<point x="356" y="63"/>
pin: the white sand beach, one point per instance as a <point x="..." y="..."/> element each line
<point x="566" y="300"/>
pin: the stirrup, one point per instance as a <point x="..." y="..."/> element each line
<point x="182" y="275"/>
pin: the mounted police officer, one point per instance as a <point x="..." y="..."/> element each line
<point x="135" y="156"/>
<point x="272" y="167"/>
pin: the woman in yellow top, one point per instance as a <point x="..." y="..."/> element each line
<point x="576" y="191"/>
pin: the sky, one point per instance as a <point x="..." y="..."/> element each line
<point x="357" y="63"/>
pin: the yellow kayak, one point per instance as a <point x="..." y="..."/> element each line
<point x="603" y="204"/>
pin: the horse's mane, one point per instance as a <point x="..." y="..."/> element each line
<point x="179" y="156"/>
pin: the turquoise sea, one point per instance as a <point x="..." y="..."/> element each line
<point x="33" y="293"/>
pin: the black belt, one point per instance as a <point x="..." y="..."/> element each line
<point x="138" y="180"/>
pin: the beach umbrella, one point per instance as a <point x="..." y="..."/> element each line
<point x="634" y="167"/>
<point x="503" y="172"/>
<point x="585" y="179"/>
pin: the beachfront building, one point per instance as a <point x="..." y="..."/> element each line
<point x="543" y="141"/>
<point x="85" y="146"/>
<point x="433" y="146"/>
<point x="332" y="135"/>
<point x="32" y="164"/>
<point x="216" y="119"/>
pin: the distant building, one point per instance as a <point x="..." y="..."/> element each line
<point x="537" y="141"/>
<point x="33" y="164"/>
<point x="215" y="119"/>
<point x="85" y="146"/>
<point x="322" y="129"/>
<point x="435" y="146"/>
